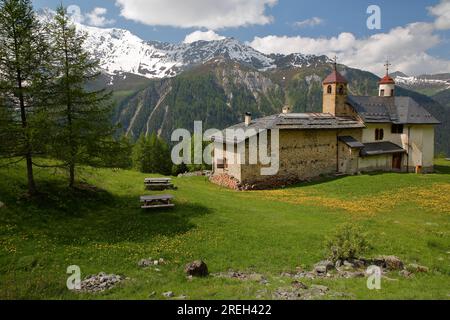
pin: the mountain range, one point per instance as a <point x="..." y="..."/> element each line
<point x="161" y="86"/>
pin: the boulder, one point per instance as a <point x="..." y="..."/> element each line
<point x="389" y="262"/>
<point x="393" y="263"/>
<point x="196" y="269"/>
<point x="168" y="294"/>
<point x="323" y="267"/>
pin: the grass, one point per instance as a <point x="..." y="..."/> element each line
<point x="101" y="228"/>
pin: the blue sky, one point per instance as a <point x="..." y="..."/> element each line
<point x="284" y="26"/>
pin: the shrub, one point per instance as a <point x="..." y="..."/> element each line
<point x="348" y="242"/>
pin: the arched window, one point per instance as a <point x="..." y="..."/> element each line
<point x="329" y="89"/>
<point x="341" y="90"/>
<point x="382" y="93"/>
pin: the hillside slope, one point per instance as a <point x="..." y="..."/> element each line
<point x="100" y="227"/>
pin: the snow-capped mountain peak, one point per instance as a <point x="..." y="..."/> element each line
<point x="119" y="51"/>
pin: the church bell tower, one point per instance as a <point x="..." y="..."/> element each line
<point x="335" y="93"/>
<point x="387" y="84"/>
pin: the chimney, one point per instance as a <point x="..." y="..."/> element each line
<point x="287" y="109"/>
<point x="248" y="119"/>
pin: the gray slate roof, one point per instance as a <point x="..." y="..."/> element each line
<point x="292" y="121"/>
<point x="397" y="110"/>
<point x="378" y="148"/>
<point x="351" y="142"/>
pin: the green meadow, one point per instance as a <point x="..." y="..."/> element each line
<point x="100" y="227"/>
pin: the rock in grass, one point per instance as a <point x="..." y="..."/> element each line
<point x="389" y="262"/>
<point x="299" y="285"/>
<point x="168" y="294"/>
<point x="1" y="204"/>
<point x="319" y="288"/>
<point x="393" y="263"/>
<point x="406" y="274"/>
<point x="145" y="263"/>
<point x="196" y="269"/>
<point x="323" y="267"/>
<point x="415" y="268"/>
<point x="100" y="282"/>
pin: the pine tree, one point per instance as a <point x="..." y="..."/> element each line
<point x="82" y="119"/>
<point x="152" y="155"/>
<point x="138" y="153"/>
<point x="23" y="55"/>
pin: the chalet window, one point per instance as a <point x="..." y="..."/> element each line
<point x="382" y="93"/>
<point x="397" y="128"/>
<point x="329" y="90"/>
<point x="379" y="134"/>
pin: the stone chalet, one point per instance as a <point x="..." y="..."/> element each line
<point x="353" y="134"/>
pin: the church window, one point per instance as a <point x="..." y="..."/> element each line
<point x="382" y="93"/>
<point x="397" y="128"/>
<point x="329" y="90"/>
<point x="379" y="134"/>
<point x="341" y="90"/>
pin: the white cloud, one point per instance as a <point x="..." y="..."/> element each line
<point x="442" y="13"/>
<point x="97" y="18"/>
<point x="312" y="22"/>
<point x="202" y="35"/>
<point x="406" y="47"/>
<point x="208" y="14"/>
<point x="94" y="18"/>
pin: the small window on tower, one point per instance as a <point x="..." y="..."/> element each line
<point x="392" y="92"/>
<point x="382" y="93"/>
<point x="341" y="90"/>
<point x="329" y="90"/>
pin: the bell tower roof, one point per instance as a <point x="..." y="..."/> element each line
<point x="387" y="79"/>
<point x="335" y="76"/>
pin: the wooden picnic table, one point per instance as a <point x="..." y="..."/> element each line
<point x="158" y="179"/>
<point x="159" y="201"/>
<point x="158" y="183"/>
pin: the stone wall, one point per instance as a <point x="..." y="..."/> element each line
<point x="305" y="155"/>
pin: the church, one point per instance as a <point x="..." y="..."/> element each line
<point x="352" y="135"/>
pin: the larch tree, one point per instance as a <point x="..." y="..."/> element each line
<point x="81" y="118"/>
<point x="23" y="56"/>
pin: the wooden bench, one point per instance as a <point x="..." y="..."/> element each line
<point x="158" y="184"/>
<point x="160" y="201"/>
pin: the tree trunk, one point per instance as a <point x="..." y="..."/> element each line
<point x="71" y="175"/>
<point x="31" y="184"/>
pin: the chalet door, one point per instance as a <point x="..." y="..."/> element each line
<point x="397" y="161"/>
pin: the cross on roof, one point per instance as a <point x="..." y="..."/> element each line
<point x="335" y="59"/>
<point x="387" y="65"/>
